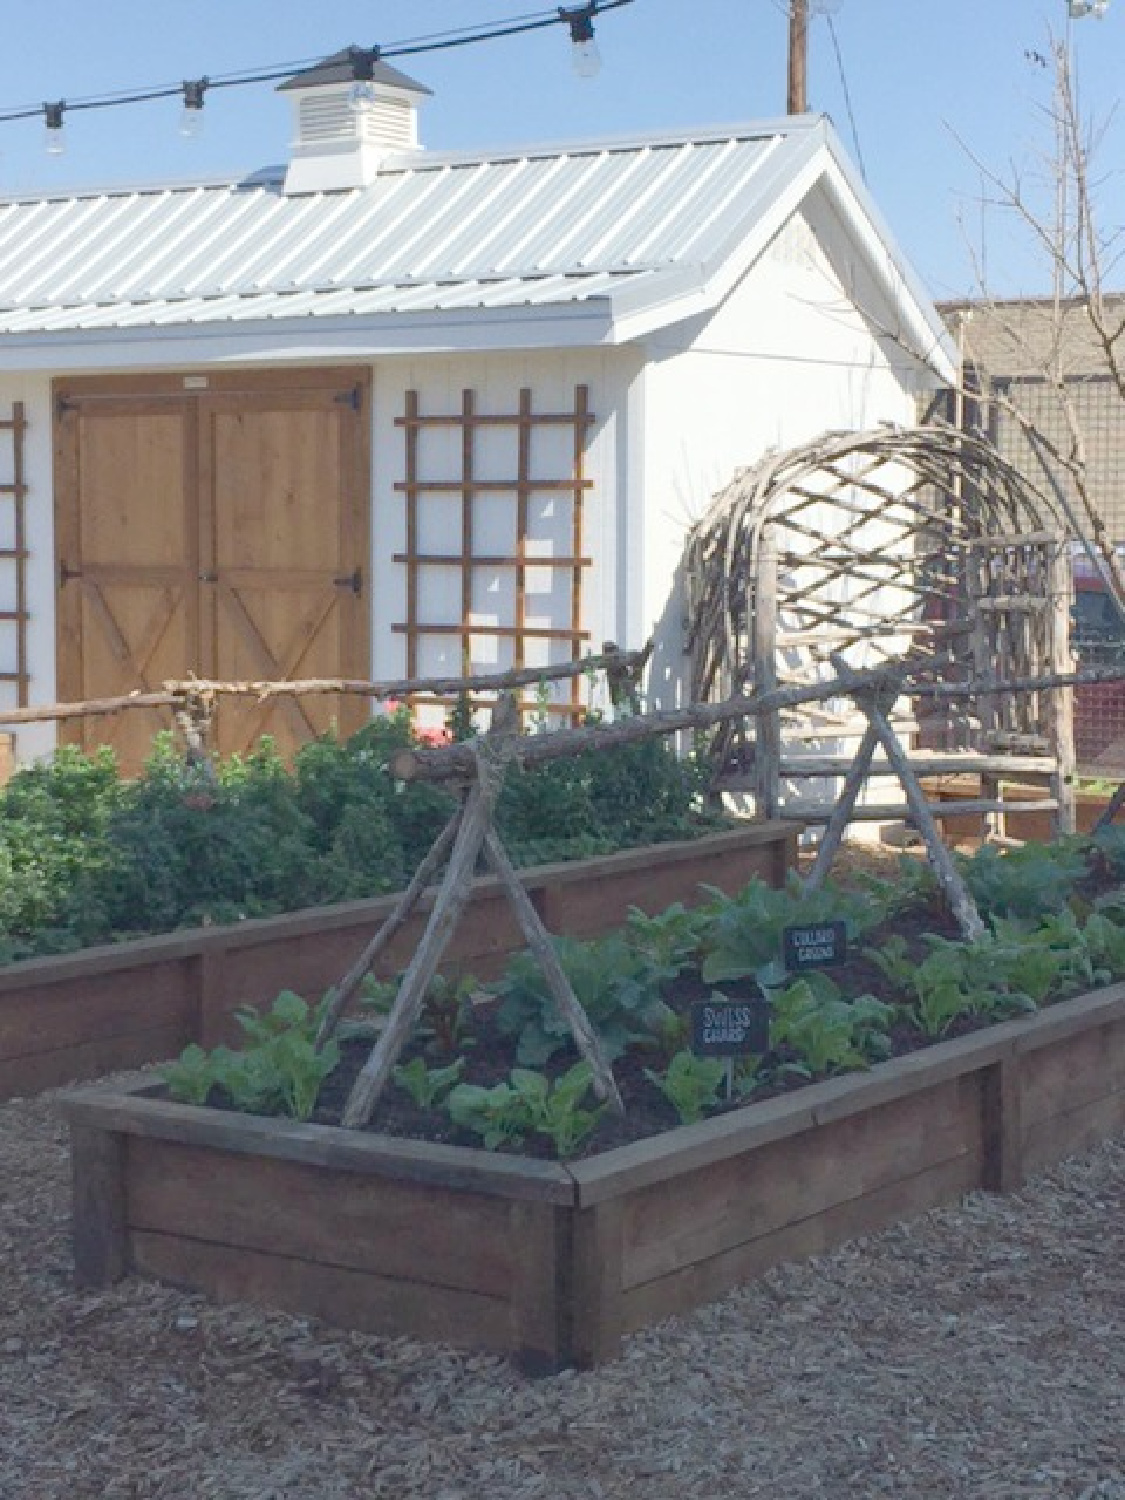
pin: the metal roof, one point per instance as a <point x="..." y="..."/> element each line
<point x="633" y="225"/>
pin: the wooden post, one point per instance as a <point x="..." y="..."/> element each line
<point x="539" y="941"/>
<point x="841" y="813"/>
<point x="767" y="737"/>
<point x="1060" y="700"/>
<point x="956" y="892"/>
<point x="797" y="98"/>
<point x="97" y="1167"/>
<point x="343" y="992"/>
<point x="1002" y="1127"/>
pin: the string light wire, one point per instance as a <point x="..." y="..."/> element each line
<point x="411" y="47"/>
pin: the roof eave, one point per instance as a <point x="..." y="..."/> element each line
<point x="461" y="330"/>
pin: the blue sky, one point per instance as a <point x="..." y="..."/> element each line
<point x="919" y="73"/>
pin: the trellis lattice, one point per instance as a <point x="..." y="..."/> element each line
<point x="919" y="545"/>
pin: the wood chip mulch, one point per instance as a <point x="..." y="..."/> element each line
<point x="978" y="1351"/>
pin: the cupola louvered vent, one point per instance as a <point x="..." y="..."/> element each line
<point x="326" y="118"/>
<point x="349" y="119"/>
<point x="390" y="122"/>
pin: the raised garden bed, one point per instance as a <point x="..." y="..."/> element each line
<point x="120" y="1006"/>
<point x="553" y="1263"/>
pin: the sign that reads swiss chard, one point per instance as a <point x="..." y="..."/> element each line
<point x="817" y="946"/>
<point x="729" y="1028"/>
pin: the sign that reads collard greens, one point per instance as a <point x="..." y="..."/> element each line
<point x="729" y="1028"/>
<point x="817" y="946"/>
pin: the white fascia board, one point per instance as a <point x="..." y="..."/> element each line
<point x="812" y="157"/>
<point x="460" y="331"/>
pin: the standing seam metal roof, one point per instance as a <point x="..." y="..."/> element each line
<point x="552" y="225"/>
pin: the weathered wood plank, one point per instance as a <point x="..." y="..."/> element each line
<point x="1082" y="1066"/>
<point x="695" y="1217"/>
<point x="706" y="1280"/>
<point x="92" y="1009"/>
<point x="133" y="1112"/>
<point x="1047" y="1141"/>
<point x="33" y="1072"/>
<point x="397" y="1229"/>
<point x="344" y="1297"/>
<point x="97" y="1166"/>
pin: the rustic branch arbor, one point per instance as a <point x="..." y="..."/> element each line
<point x="912" y="546"/>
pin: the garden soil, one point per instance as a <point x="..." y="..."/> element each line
<point x="977" y="1351"/>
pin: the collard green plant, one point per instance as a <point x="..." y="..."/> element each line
<point x="667" y="943"/>
<point x="1029" y="882"/>
<point x="609" y="982"/>
<point x="690" y="1084"/>
<point x="191" y="1077"/>
<point x="741" y="935"/>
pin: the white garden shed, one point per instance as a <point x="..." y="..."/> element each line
<point x="393" y="410"/>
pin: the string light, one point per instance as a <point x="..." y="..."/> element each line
<point x="585" y="58"/>
<point x="191" y="120"/>
<point x="54" y="132"/>
<point x="579" y="22"/>
<point x="361" y="95"/>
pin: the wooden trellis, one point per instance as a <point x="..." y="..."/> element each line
<point x="469" y="557"/>
<point x="920" y="545"/>
<point x="13" y="489"/>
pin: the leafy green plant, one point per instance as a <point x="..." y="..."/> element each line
<point x="507" y="1113"/>
<point x="690" y="1084"/>
<point x="428" y="1086"/>
<point x="447" y="1012"/>
<point x="279" y="1071"/>
<point x="741" y="935"/>
<point x="609" y="982"/>
<point x="1027" y="882"/>
<point x="666" y="943"/>
<point x="191" y="1077"/>
<point x="827" y="1032"/>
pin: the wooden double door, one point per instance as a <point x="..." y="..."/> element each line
<point x="215" y="525"/>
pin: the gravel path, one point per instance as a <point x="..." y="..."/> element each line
<point x="975" y="1352"/>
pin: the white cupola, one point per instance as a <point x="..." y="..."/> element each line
<point x="350" y="112"/>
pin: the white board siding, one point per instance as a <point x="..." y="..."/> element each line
<point x="786" y="357"/>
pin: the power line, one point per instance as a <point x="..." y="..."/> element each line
<point x="578" y="19"/>
<point x="847" y="94"/>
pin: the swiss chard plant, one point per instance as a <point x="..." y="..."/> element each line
<point x="528" y="1103"/>
<point x="278" y="1071"/>
<point x="427" y="1086"/>
<point x="827" y="1033"/>
<point x="690" y="1084"/>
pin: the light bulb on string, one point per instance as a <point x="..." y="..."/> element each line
<point x="54" y="131"/>
<point x="191" y="117"/>
<point x="585" y="58"/>
<point x="361" y="94"/>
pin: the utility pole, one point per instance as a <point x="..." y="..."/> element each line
<point x="798" y="94"/>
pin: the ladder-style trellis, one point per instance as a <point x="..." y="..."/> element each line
<point x="918" y="545"/>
